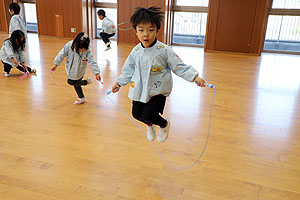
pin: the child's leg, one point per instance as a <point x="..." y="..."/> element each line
<point x="137" y="110"/>
<point x="77" y="86"/>
<point x="7" y="67"/>
<point x="152" y="110"/>
<point x="104" y="37"/>
<point x="109" y="36"/>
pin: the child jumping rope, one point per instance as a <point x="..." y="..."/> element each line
<point x="16" y="22"/>
<point x="78" y="56"/>
<point x="109" y="28"/>
<point x="12" y="53"/>
<point x="148" y="70"/>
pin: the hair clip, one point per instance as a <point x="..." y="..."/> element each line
<point x="85" y="36"/>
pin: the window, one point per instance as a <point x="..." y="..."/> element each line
<point x="111" y="13"/>
<point x="30" y="17"/>
<point x="202" y="3"/>
<point x="283" y="29"/>
<point x="189" y="22"/>
<point x="189" y="28"/>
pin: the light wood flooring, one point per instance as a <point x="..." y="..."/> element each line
<point x="51" y="149"/>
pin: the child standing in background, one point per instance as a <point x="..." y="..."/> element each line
<point x="79" y="55"/>
<point x="16" y="22"/>
<point x="148" y="70"/>
<point x="109" y="28"/>
<point x="12" y="53"/>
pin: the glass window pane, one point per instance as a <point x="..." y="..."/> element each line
<point x="107" y="1"/>
<point x="287" y="4"/>
<point x="111" y="13"/>
<point x="30" y="17"/>
<point x="189" y="28"/>
<point x="203" y="3"/>
<point x="283" y="33"/>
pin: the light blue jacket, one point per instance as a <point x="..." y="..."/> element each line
<point x="148" y="70"/>
<point x="7" y="52"/>
<point x="76" y="64"/>
<point x="17" y="23"/>
<point x="106" y="25"/>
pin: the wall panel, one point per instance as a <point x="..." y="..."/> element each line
<point x="236" y="25"/>
<point x="126" y="9"/>
<point x="51" y="13"/>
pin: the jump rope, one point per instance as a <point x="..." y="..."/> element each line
<point x="169" y="164"/>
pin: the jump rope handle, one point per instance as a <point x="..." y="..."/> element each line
<point x="207" y="85"/>
<point x="115" y="90"/>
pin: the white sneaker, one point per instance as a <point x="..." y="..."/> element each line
<point x="7" y="74"/>
<point x="88" y="80"/>
<point x="33" y="70"/>
<point x="163" y="133"/>
<point x="108" y="43"/>
<point x="107" y="48"/>
<point x="151" y="132"/>
<point x="80" y="101"/>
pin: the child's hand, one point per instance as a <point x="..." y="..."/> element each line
<point x="115" y="88"/>
<point x="112" y="26"/>
<point x="53" y="67"/>
<point x="199" y="81"/>
<point x="98" y="77"/>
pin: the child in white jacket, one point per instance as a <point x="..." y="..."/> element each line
<point x="16" y="22"/>
<point x="148" y="72"/>
<point x="109" y="28"/>
<point x="78" y="56"/>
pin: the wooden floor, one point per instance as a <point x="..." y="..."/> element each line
<point x="52" y="149"/>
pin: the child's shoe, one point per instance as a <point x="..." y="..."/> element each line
<point x="107" y="48"/>
<point x="88" y="80"/>
<point x="151" y="132"/>
<point x="163" y="133"/>
<point x="108" y="43"/>
<point x="7" y="74"/>
<point x="80" y="101"/>
<point x="33" y="70"/>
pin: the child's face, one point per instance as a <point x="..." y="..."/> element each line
<point x="82" y="50"/>
<point x="100" y="17"/>
<point x="146" y="33"/>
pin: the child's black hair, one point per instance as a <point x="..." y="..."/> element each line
<point x="101" y="12"/>
<point x="16" y="41"/>
<point x="152" y="15"/>
<point x="15" y="7"/>
<point x="81" y="41"/>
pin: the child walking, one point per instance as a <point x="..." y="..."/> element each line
<point x="148" y="70"/>
<point x="16" y="22"/>
<point x="78" y="56"/>
<point x="12" y="53"/>
<point x="109" y="28"/>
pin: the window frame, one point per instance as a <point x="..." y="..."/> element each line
<point x="102" y="5"/>
<point x="193" y="9"/>
<point x="281" y="11"/>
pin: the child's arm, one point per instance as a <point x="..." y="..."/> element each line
<point x="183" y="70"/>
<point x="127" y="71"/>
<point x="92" y="62"/>
<point x="62" y="54"/>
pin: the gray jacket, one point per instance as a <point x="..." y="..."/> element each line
<point x="7" y="52"/>
<point x="17" y="23"/>
<point x="76" y="64"/>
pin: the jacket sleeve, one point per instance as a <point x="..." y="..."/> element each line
<point x="127" y="71"/>
<point x="9" y="49"/>
<point x="22" y="56"/>
<point x="92" y="62"/>
<point x="62" y="54"/>
<point x="182" y="70"/>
